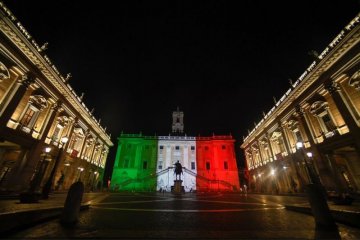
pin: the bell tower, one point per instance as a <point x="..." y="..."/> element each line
<point x="178" y="121"/>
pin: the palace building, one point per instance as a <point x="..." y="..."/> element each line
<point x="146" y="163"/>
<point x="46" y="131"/>
<point x="314" y="127"/>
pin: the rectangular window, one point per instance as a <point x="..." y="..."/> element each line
<point x="177" y="148"/>
<point x="226" y="165"/>
<point x="207" y="165"/>
<point x="161" y="147"/>
<point x="193" y="148"/>
<point x="328" y="123"/>
<point x="206" y="148"/>
<point x="55" y="136"/>
<point x="126" y="163"/>
<point x="223" y="147"/>
<point x="298" y="136"/>
<point x="145" y="165"/>
<point x="192" y="165"/>
<point x="25" y="121"/>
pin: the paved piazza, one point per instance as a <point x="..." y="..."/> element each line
<point x="190" y="216"/>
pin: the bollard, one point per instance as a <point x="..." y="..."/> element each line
<point x="319" y="206"/>
<point x="72" y="204"/>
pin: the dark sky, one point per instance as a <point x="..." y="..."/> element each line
<point x="220" y="62"/>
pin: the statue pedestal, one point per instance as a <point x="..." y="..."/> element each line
<point x="178" y="189"/>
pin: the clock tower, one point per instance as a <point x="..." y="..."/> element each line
<point x="178" y="121"/>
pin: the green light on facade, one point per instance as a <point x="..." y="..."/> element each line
<point x="135" y="163"/>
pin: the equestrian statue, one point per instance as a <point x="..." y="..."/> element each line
<point x="178" y="170"/>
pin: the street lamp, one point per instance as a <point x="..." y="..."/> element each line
<point x="317" y="196"/>
<point x="31" y="196"/>
<point x="81" y="169"/>
<point x="313" y="178"/>
<point x="39" y="171"/>
<point x="94" y="180"/>
<point x="47" y="187"/>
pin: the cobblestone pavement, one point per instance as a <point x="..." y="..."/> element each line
<point x="191" y="216"/>
<point x="55" y="200"/>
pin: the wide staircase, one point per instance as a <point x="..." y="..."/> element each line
<point x="206" y="181"/>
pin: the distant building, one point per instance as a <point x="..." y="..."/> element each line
<point x="39" y="109"/>
<point x="146" y="163"/>
<point x="321" y="112"/>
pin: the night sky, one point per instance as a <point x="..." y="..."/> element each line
<point x="220" y="62"/>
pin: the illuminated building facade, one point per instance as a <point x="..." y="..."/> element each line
<point x="170" y="150"/>
<point x="321" y="110"/>
<point x="216" y="163"/>
<point x="38" y="108"/>
<point x="146" y="163"/>
<point x="135" y="163"/>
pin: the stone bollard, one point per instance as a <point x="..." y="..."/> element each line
<point x="72" y="205"/>
<point x="319" y="206"/>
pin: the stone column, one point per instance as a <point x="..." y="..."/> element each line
<point x="49" y="121"/>
<point x="82" y="149"/>
<point x="269" y="143"/>
<point x="93" y="150"/>
<point x="6" y="98"/>
<point x="333" y="88"/>
<point x="320" y="163"/>
<point x="260" y="154"/>
<point x="23" y="85"/>
<point x="293" y="162"/>
<point x="69" y="134"/>
<point x="334" y="170"/>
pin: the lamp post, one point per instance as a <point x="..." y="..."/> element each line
<point x="31" y="196"/>
<point x="81" y="169"/>
<point x="39" y="171"/>
<point x="260" y="182"/>
<point x="47" y="187"/>
<point x="313" y="178"/>
<point x="287" y="178"/>
<point x="316" y="197"/>
<point x="94" y="181"/>
<point x="274" y="185"/>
